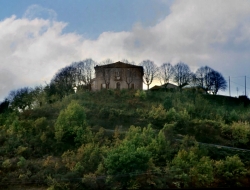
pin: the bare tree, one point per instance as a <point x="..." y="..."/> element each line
<point x="84" y="72"/>
<point x="182" y="74"/>
<point x="193" y="80"/>
<point x="130" y="74"/>
<point x="80" y="71"/>
<point x="129" y="62"/>
<point x="217" y="82"/>
<point x="166" y="72"/>
<point x="150" y="71"/>
<point x="203" y="78"/>
<point x="106" y="62"/>
<point x="89" y="72"/>
<point x="106" y="71"/>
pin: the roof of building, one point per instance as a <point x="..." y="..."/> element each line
<point x="169" y="85"/>
<point x="118" y="65"/>
<point x="156" y="87"/>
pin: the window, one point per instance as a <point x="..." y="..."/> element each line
<point x="117" y="74"/>
<point x="132" y="86"/>
<point x="118" y="85"/>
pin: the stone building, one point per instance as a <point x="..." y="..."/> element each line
<point x="118" y="75"/>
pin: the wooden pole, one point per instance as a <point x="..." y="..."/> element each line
<point x="245" y="86"/>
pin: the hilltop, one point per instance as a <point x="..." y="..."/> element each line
<point x="128" y="139"/>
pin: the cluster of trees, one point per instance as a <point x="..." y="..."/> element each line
<point x="24" y="98"/>
<point x="80" y="75"/>
<point x="76" y="143"/>
<point x="205" y="77"/>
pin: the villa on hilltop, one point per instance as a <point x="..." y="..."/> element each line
<point x="118" y="75"/>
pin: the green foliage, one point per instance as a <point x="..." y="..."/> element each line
<point x="89" y="156"/>
<point x="206" y="131"/>
<point x="22" y="162"/>
<point x="83" y="161"/>
<point x="6" y="163"/>
<point x="237" y="132"/>
<point x="21" y="98"/>
<point x="230" y="171"/>
<point x="190" y="168"/>
<point x="183" y="122"/>
<point x="69" y="160"/>
<point x="71" y="124"/>
<point x="141" y="94"/>
<point x="40" y="124"/>
<point x="231" y="117"/>
<point x="140" y="136"/>
<point x="21" y="150"/>
<point x="130" y="161"/>
<point x="202" y="173"/>
<point x="126" y="161"/>
<point x="53" y="184"/>
<point x="54" y="144"/>
<point x="167" y="103"/>
<point x="161" y="148"/>
<point x="157" y="114"/>
<point x="241" y="132"/>
<point x="172" y="115"/>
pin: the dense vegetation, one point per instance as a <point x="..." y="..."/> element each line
<point x="125" y="139"/>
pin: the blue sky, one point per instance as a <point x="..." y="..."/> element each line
<point x="91" y="17"/>
<point x="37" y="38"/>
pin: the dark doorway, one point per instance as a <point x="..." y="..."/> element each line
<point x="118" y="86"/>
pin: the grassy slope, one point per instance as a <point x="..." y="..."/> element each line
<point x="194" y="114"/>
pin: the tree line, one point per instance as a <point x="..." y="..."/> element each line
<point x="80" y="75"/>
<point x="205" y="77"/>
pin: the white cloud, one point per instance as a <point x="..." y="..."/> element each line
<point x="215" y="33"/>
<point x="33" y="50"/>
<point x="37" y="11"/>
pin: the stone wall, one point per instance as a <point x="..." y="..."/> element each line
<point x="118" y="78"/>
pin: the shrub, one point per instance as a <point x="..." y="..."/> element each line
<point x="22" y="162"/>
<point x="187" y="169"/>
<point x="71" y="124"/>
<point x="6" y="163"/>
<point x="141" y="94"/>
<point x="157" y="113"/>
<point x="237" y="132"/>
<point x="172" y="115"/>
<point x="124" y="162"/>
<point x="207" y="131"/>
<point x="230" y="171"/>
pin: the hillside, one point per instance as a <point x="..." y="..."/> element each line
<point x="127" y="139"/>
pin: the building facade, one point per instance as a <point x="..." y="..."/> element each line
<point x="118" y="75"/>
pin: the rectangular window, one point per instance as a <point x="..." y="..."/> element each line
<point x="132" y="86"/>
